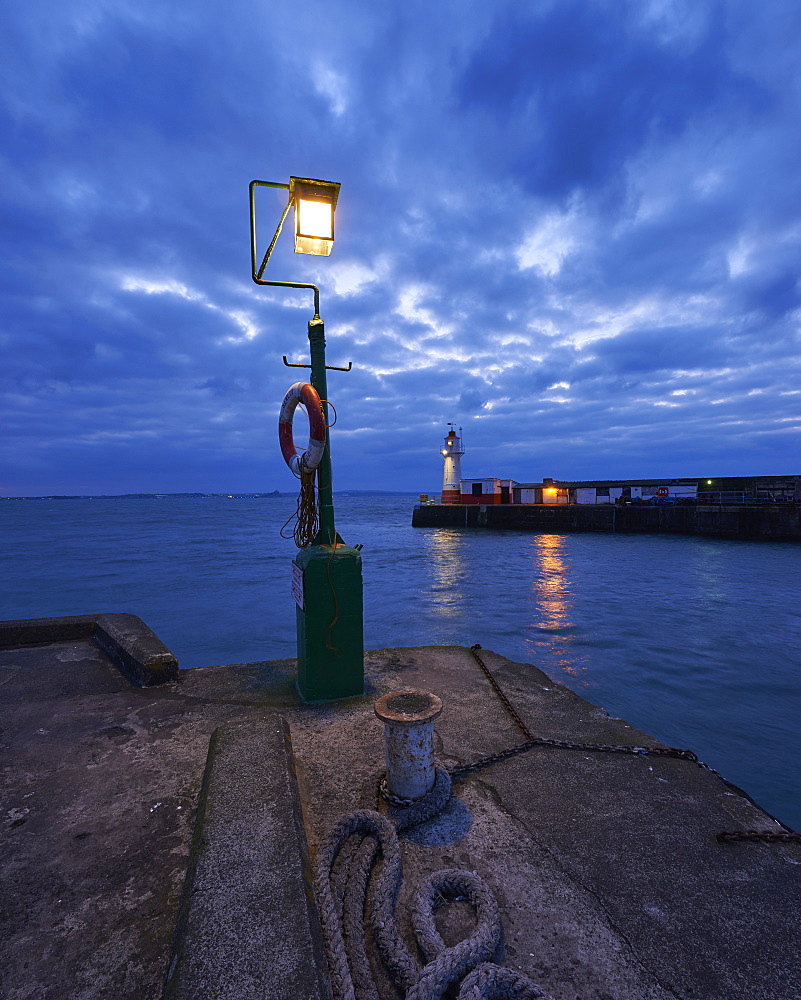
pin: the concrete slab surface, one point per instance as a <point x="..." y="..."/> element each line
<point x="249" y="928"/>
<point x="606" y="867"/>
<point x="98" y="786"/>
<point x="610" y="878"/>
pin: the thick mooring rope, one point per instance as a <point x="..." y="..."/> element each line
<point x="357" y="879"/>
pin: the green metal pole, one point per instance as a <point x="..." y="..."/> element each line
<point x="327" y="533"/>
<point x="330" y="625"/>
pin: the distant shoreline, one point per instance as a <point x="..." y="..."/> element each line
<point x="203" y="496"/>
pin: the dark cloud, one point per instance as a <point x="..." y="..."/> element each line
<point x="471" y="400"/>
<point x="664" y="349"/>
<point x="577" y="91"/>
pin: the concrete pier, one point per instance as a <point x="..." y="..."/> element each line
<point x="143" y="829"/>
<point x="768" y="522"/>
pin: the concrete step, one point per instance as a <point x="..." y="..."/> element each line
<point x="248" y="926"/>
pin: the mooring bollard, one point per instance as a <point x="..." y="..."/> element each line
<point x="408" y="718"/>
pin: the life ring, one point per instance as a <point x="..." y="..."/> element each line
<point x="302" y="392"/>
<point x="663" y="491"/>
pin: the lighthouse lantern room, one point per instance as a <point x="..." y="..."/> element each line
<point x="452" y="451"/>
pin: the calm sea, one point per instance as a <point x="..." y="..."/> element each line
<point x="696" y="641"/>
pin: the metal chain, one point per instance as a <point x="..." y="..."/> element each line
<point x="534" y="741"/>
<point x="540" y="741"/>
<point x="388" y="796"/>
<point x="784" y="837"/>
<point x="501" y="694"/>
<point x="462" y="770"/>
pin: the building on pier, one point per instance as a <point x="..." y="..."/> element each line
<point x="721" y="490"/>
<point x="488" y="491"/>
<point x="726" y="490"/>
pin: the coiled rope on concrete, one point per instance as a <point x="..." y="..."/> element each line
<point x="357" y="878"/>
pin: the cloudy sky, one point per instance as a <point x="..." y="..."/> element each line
<point x="570" y="226"/>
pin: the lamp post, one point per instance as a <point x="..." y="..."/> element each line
<point x="327" y="575"/>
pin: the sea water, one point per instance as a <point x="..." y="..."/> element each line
<point x="696" y="641"/>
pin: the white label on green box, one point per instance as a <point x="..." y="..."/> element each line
<point x="297" y="586"/>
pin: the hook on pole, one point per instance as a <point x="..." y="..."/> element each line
<point x="331" y="368"/>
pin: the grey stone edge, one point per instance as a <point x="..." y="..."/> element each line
<point x="130" y="645"/>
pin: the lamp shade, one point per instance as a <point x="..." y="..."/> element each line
<point x="315" y="202"/>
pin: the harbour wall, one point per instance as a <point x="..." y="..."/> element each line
<point x="769" y="522"/>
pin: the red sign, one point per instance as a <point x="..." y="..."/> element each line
<point x="662" y="491"/>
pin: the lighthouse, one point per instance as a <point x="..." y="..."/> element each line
<point x="452" y="452"/>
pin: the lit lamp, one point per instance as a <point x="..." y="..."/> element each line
<point x="315" y="203"/>
<point x="327" y="573"/>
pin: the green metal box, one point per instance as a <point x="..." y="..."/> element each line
<point x="328" y="583"/>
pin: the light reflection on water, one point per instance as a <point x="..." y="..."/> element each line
<point x="449" y="561"/>
<point x="551" y="619"/>
<point x="696" y="641"/>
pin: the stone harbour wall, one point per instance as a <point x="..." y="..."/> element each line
<point x="771" y="521"/>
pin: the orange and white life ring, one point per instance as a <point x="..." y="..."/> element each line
<point x="307" y="395"/>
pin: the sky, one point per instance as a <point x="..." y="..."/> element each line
<point x="571" y="227"/>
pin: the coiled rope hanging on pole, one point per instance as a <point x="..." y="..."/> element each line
<point x="357" y="879"/>
<point x="306" y="514"/>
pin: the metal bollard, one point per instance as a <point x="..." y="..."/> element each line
<point x="408" y="718"/>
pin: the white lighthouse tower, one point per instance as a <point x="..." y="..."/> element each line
<point x="452" y="452"/>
